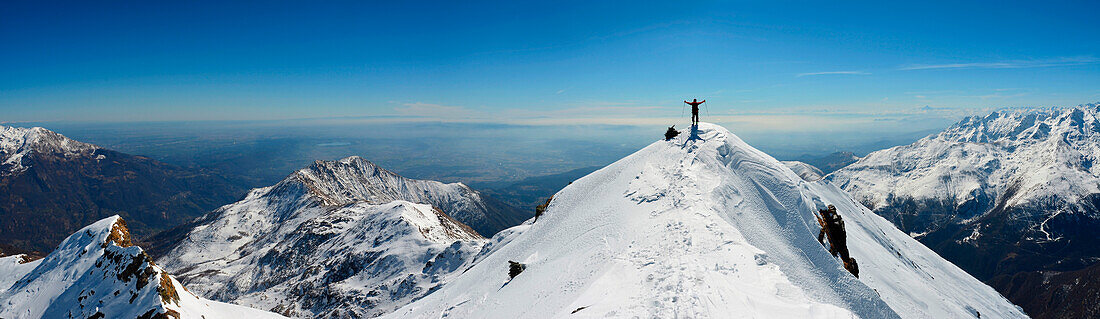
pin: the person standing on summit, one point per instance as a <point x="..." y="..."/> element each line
<point x="695" y="110"/>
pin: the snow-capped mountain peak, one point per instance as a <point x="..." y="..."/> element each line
<point x="1008" y="158"/>
<point x="16" y="143"/>
<point x="337" y="239"/>
<point x="98" y="273"/>
<point x="1012" y="192"/>
<point x="704" y="226"/>
<point x="354" y="179"/>
<point x="1027" y="125"/>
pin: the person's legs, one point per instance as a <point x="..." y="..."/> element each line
<point x="843" y="249"/>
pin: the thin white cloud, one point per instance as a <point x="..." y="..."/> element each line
<point x="833" y="73"/>
<point x="420" y="109"/>
<point x="1000" y="96"/>
<point x="1015" y="64"/>
<point x="785" y="119"/>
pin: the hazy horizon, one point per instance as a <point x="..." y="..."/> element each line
<point x="769" y="66"/>
<point x="552" y="81"/>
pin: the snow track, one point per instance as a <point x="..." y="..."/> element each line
<point x="705" y="226"/>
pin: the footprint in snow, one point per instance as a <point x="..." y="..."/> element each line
<point x="761" y="259"/>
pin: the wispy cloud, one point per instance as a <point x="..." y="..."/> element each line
<point x="833" y="73"/>
<point x="872" y="115"/>
<point x="1013" y="64"/>
<point x="429" y="110"/>
<point x="998" y="95"/>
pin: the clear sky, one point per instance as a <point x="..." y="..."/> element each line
<point x="765" y="64"/>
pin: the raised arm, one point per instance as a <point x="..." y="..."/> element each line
<point x="703" y="101"/>
<point x="686" y="102"/>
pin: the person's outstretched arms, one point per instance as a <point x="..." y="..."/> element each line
<point x="686" y="102"/>
<point x="703" y="101"/>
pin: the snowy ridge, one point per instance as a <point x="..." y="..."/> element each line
<point x="12" y="268"/>
<point x="98" y="273"/>
<point x="354" y="179"/>
<point x="1011" y="195"/>
<point x="705" y="226"/>
<point x="16" y="143"/>
<point x="1030" y="155"/>
<point x="289" y="249"/>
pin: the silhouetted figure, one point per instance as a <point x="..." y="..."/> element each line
<point x="695" y="110"/>
<point x="833" y="226"/>
<point x="672" y="132"/>
<point x="514" y="268"/>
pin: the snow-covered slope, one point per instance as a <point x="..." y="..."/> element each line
<point x="14" y="267"/>
<point x="16" y="143"/>
<point x="1029" y="173"/>
<point x="355" y="179"/>
<point x="1009" y="192"/>
<point x="98" y="273"/>
<point x="1032" y="156"/>
<point x="705" y="228"/>
<point x="334" y="240"/>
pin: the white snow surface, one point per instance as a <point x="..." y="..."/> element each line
<point x="289" y="249"/>
<point x="1038" y="154"/>
<point x="354" y="179"/>
<point x="16" y="143"/>
<point x="806" y="171"/>
<point x="12" y="268"/>
<point x="705" y="226"/>
<point x="97" y="271"/>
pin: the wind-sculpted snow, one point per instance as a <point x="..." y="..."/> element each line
<point x="704" y="226"/>
<point x="98" y="273"/>
<point x="300" y="249"/>
<point x="17" y="143"/>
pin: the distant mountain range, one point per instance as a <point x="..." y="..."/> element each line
<point x="1012" y="197"/>
<point x="51" y="185"/>
<point x="533" y="191"/>
<point x="337" y="239"/>
<point x="831" y="162"/>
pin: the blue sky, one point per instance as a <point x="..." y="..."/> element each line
<point x="779" y="65"/>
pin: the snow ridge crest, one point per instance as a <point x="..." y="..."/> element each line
<point x="704" y="225"/>
<point x="1027" y="125"/>
<point x="97" y="272"/>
